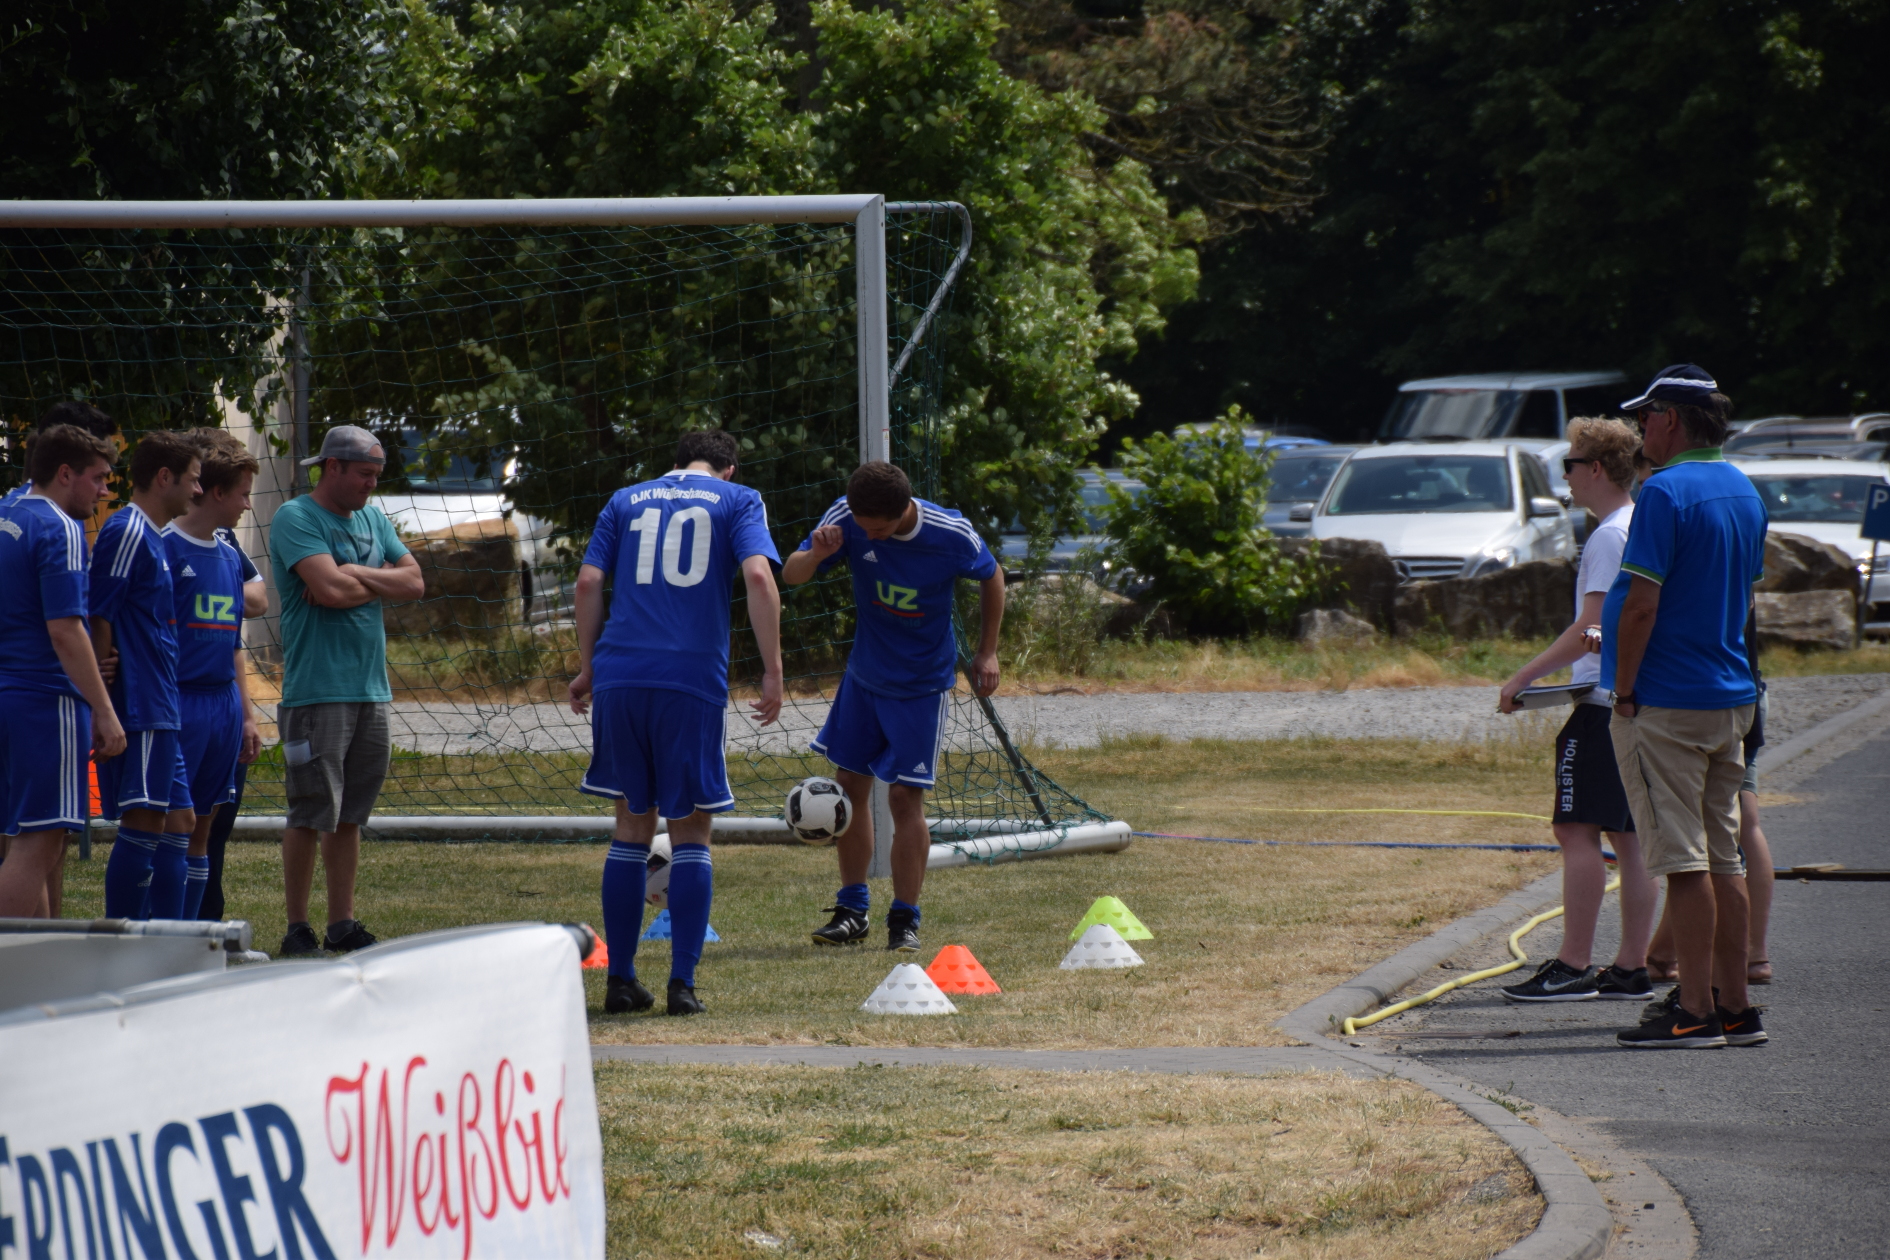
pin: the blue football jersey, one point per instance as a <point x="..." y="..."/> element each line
<point x="131" y="588"/>
<point x="207" y="584"/>
<point x="903" y="646"/>
<point x="672" y="547"/>
<point x="43" y="572"/>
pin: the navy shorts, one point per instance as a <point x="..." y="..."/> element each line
<point x="1587" y="777"/>
<point x="149" y="774"/>
<point x="895" y="741"/>
<point x="655" y="747"/>
<point x="212" y="740"/>
<point x="44" y="744"/>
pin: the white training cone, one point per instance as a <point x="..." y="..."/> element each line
<point x="1101" y="946"/>
<point x="908" y="991"/>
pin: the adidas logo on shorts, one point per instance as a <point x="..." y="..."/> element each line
<point x="919" y="769"/>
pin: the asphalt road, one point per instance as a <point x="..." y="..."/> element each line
<point x="1779" y="1150"/>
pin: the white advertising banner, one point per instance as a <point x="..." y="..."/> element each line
<point x="431" y="1097"/>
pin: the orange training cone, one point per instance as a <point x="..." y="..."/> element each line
<point x="956" y="971"/>
<point x="600" y="957"/>
<point x="92" y="796"/>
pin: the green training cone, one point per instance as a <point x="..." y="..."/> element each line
<point x="1110" y="910"/>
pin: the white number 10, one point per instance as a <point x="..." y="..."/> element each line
<point x="646" y="525"/>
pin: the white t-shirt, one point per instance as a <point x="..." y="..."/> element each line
<point x="1601" y="564"/>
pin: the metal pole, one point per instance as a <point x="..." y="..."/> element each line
<point x="1018" y="765"/>
<point x="869" y="264"/>
<point x="465" y="212"/>
<point x="944" y="286"/>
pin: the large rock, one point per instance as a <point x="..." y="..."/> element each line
<point x="1065" y="595"/>
<point x="1324" y="627"/>
<point x="1529" y="600"/>
<point x="472" y="575"/>
<point x="1807" y="619"/>
<point x="1363" y="579"/>
<point x="1794" y="562"/>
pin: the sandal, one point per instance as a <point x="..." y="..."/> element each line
<point x="1663" y="970"/>
<point x="1759" y="971"/>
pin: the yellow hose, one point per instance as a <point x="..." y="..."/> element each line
<point x="1515" y="947"/>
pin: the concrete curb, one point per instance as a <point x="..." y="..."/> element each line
<point x="1576" y="1224"/>
<point x="1773" y="758"/>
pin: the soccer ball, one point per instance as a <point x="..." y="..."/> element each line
<point x="818" y="811"/>
<point x="656" y="878"/>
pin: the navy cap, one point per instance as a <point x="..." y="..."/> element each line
<point x="1680" y="383"/>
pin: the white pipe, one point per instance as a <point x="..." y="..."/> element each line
<point x="466" y="212"/>
<point x="1002" y="833"/>
<point x="1109" y="837"/>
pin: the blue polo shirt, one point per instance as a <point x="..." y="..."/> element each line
<point x="1699" y="531"/>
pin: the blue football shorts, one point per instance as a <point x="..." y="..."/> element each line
<point x="655" y="747"/>
<point x="149" y="774"/>
<point x="895" y="741"/>
<point x="44" y="744"/>
<point x="212" y="740"/>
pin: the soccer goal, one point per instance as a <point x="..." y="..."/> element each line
<point x="527" y="358"/>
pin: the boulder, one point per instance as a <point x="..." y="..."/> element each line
<point x="1794" y="562"/>
<point x="1363" y="579"/>
<point x="1806" y="619"/>
<point x="1323" y="627"/>
<point x="472" y="577"/>
<point x="1530" y="599"/>
<point x="1116" y="616"/>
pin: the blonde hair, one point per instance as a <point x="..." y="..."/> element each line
<point x="1610" y="443"/>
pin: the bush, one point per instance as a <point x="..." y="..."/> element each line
<point x="1196" y="536"/>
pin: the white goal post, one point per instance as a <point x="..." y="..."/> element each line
<point x="964" y="840"/>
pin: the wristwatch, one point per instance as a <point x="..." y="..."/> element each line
<point x="1625" y="697"/>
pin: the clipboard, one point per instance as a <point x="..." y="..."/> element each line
<point x="1553" y="697"/>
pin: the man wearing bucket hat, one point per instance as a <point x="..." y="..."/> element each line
<point x="1674" y="654"/>
<point x="336" y="557"/>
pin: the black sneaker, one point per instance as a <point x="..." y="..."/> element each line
<point x="1555" y="981"/>
<point x="300" y="942"/>
<point x="1743" y="1029"/>
<point x="1668" y="1004"/>
<point x="1677" y="1030"/>
<point x="1616" y="985"/>
<point x="902" y="931"/>
<point x="683" y="999"/>
<point x="847" y="927"/>
<point x="624" y="996"/>
<point x="347" y="935"/>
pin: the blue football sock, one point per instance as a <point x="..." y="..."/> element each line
<point x="854" y="897"/>
<point x="168" y="870"/>
<point x="128" y="873"/>
<point x="901" y="905"/>
<point x="625" y="869"/>
<point x="196" y="879"/>
<point x="691" y="889"/>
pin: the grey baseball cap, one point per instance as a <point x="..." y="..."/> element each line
<point x="348" y="441"/>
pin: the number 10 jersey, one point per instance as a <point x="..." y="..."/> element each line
<point x="672" y="548"/>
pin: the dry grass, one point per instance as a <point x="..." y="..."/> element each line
<point x="978" y="1164"/>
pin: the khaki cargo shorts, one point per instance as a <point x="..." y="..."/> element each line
<point x="1682" y="769"/>
<point x="336" y="757"/>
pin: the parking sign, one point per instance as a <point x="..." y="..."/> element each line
<point x="1877" y="513"/>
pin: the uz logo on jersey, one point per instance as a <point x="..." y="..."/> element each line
<point x="215" y="607"/>
<point x="903" y="598"/>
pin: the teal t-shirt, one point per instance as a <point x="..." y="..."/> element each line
<point x="331" y="655"/>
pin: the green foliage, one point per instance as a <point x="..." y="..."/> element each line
<point x="1544" y="185"/>
<point x="1196" y="534"/>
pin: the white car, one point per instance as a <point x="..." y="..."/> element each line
<point x="1445" y="511"/>
<point x="1824" y="499"/>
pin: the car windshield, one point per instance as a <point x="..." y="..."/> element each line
<point x="1302" y="478"/>
<point x="1837" y="500"/>
<point x="1450" y="413"/>
<point x="1422" y="483"/>
<point x="1094" y="495"/>
<point x="443" y="471"/>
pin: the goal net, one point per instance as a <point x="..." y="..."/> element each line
<point x="526" y="360"/>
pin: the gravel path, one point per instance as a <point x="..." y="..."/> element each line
<point x="1436" y="713"/>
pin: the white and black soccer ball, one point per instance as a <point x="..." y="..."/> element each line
<point x="818" y="811"/>
<point x="656" y="875"/>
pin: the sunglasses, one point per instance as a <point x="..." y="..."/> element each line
<point x="1569" y="462"/>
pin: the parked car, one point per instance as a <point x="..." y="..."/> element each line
<point x="1833" y="437"/>
<point x="1824" y="499"/>
<point x="1258" y="439"/>
<point x="1464" y="511"/>
<point x="1300" y="475"/>
<point x="1532" y="405"/>
<point x="458" y="492"/>
<point x="1014" y="545"/>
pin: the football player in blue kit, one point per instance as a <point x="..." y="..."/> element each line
<point x="670" y="549"/>
<point x="888" y="718"/>
<point x="218" y="727"/>
<point x="145" y="788"/>
<point x="55" y="700"/>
